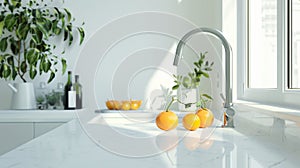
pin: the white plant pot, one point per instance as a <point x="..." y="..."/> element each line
<point x="23" y="97"/>
<point x="187" y="96"/>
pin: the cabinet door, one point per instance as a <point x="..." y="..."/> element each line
<point x="41" y="128"/>
<point x="14" y="134"/>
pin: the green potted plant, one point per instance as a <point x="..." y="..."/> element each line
<point x="54" y="99"/>
<point x="27" y="32"/>
<point x="190" y="82"/>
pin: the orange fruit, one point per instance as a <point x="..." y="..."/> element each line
<point x="117" y="105"/>
<point x="167" y="120"/>
<point x="110" y="104"/>
<point x="125" y="105"/>
<point x="135" y="104"/>
<point x="191" y="121"/>
<point x="206" y="117"/>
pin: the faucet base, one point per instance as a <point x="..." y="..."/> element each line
<point x="228" y="122"/>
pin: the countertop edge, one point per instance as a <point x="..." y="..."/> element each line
<point x="12" y="116"/>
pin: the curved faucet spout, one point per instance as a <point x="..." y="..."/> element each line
<point x="228" y="57"/>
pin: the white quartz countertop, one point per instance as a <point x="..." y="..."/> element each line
<point x="130" y="142"/>
<point x="38" y="115"/>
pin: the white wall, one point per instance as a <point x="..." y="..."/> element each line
<point x="118" y="38"/>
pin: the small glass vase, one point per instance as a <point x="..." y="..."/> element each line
<point x="187" y="96"/>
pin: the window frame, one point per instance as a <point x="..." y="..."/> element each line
<point x="282" y="95"/>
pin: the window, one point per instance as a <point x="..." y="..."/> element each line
<point x="269" y="51"/>
<point x="262" y="44"/>
<point x="294" y="44"/>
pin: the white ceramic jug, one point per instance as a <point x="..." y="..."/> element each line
<point x="23" y="96"/>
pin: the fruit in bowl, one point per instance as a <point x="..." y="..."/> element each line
<point x="123" y="105"/>
<point x="110" y="104"/>
<point x="118" y="105"/>
<point x="135" y="104"/>
<point x="113" y="104"/>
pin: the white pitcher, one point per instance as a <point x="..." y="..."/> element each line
<point x="23" y="96"/>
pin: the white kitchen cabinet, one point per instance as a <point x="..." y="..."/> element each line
<point x="14" y="134"/>
<point x="42" y="127"/>
<point x="20" y="126"/>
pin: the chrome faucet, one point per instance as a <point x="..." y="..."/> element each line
<point x="229" y="110"/>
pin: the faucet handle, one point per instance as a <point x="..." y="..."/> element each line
<point x="230" y="111"/>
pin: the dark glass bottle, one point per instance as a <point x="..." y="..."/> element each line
<point x="69" y="94"/>
<point x="78" y="89"/>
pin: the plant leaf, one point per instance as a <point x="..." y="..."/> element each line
<point x="175" y="87"/>
<point x="56" y="30"/>
<point x="68" y="14"/>
<point x="207" y="96"/>
<point x="10" y="60"/>
<point x="81" y="34"/>
<point x="198" y="104"/>
<point x="41" y="26"/>
<point x="37" y="36"/>
<point x="196" y="64"/>
<point x="32" y="72"/>
<point x="52" y="75"/>
<point x="14" y="73"/>
<point x="186" y="82"/>
<point x="46" y="66"/>
<point x="32" y="55"/>
<point x="42" y="62"/>
<point x="196" y="71"/>
<point x="66" y="33"/>
<point x="64" y="65"/>
<point x="47" y="25"/>
<point x="188" y="105"/>
<point x="3" y="44"/>
<point x="37" y="13"/>
<point x="24" y="66"/>
<point x="10" y="21"/>
<point x="208" y="69"/>
<point x="1" y="70"/>
<point x="205" y="74"/>
<point x="58" y="13"/>
<point x="1" y="27"/>
<point x="15" y="48"/>
<point x="16" y="3"/>
<point x="6" y="71"/>
<point x="70" y="38"/>
<point x="22" y="30"/>
<point x="32" y="43"/>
